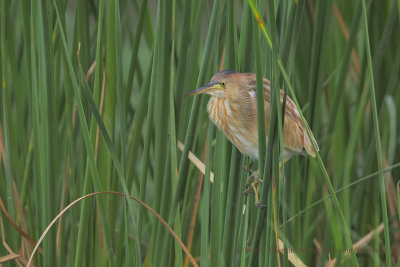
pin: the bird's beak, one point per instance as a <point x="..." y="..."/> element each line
<point x="211" y="87"/>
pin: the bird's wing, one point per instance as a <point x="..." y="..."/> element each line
<point x="295" y="136"/>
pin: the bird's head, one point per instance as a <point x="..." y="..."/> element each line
<point x="221" y="84"/>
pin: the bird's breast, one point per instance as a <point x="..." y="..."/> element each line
<point x="223" y="113"/>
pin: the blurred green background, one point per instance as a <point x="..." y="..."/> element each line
<point x="92" y="100"/>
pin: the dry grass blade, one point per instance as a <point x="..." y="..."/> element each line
<point x="196" y="205"/>
<point x="192" y="260"/>
<point x="12" y="255"/>
<point x="197" y="162"/>
<point x="19" y="230"/>
<point x="319" y="248"/>
<point x="361" y="243"/>
<point x="345" y="32"/>
<point x="22" y="219"/>
<point x="90" y="71"/>
<point x="8" y="258"/>
<point x="293" y="258"/>
<point x="391" y="198"/>
<point x="365" y="240"/>
<point x="62" y="205"/>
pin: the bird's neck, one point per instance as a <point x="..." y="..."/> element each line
<point x="219" y="108"/>
<point x="230" y="117"/>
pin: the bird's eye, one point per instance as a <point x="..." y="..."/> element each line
<point x="223" y="83"/>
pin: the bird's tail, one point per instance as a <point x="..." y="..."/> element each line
<point x="308" y="147"/>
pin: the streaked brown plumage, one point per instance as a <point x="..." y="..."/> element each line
<point x="233" y="108"/>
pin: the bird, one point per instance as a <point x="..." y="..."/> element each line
<point x="232" y="107"/>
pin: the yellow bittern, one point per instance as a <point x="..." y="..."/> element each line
<point x="233" y="109"/>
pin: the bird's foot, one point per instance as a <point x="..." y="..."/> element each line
<point x="252" y="185"/>
<point x="257" y="196"/>
<point x="253" y="178"/>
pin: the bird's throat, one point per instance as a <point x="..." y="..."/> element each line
<point x="223" y="113"/>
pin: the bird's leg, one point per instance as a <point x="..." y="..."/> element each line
<point x="257" y="195"/>
<point x="248" y="168"/>
<point x="252" y="185"/>
<point x="250" y="181"/>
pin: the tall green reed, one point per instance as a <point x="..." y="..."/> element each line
<point x="58" y="142"/>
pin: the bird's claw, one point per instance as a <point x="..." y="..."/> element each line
<point x="250" y="181"/>
<point x="255" y="176"/>
<point x="252" y="185"/>
<point x="257" y="195"/>
<point x="247" y="190"/>
<point x="260" y="206"/>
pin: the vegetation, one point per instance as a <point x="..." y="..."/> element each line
<point x="93" y="114"/>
